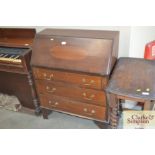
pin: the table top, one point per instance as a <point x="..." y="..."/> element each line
<point x="133" y="77"/>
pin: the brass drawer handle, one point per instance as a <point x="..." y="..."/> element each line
<point x="48" y="78"/>
<point x="51" y="104"/>
<point x="89" y="113"/>
<point x="87" y="84"/>
<point x="85" y="109"/>
<point x="63" y="43"/>
<point x="50" y="90"/>
<point x="93" y="111"/>
<point x="88" y="98"/>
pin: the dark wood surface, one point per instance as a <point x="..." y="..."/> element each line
<point x="95" y="54"/>
<point x="17" y="37"/>
<point x="132" y="77"/>
<point x="82" y="80"/>
<point x="71" y="70"/>
<point x="82" y="94"/>
<point x="17" y="85"/>
<point x="72" y="106"/>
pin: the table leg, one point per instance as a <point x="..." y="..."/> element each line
<point x="147" y="105"/>
<point x="113" y="104"/>
<point x="46" y="112"/>
<point x="34" y="94"/>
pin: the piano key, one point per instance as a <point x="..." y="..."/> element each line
<point x="7" y="58"/>
<point x="5" y="55"/>
<point x="12" y="56"/>
<point x="17" y="57"/>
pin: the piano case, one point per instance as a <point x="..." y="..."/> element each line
<point x="15" y="71"/>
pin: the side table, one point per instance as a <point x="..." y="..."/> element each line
<point x="132" y="79"/>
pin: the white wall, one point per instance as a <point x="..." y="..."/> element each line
<point x="139" y="37"/>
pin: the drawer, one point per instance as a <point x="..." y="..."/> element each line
<point x="77" y="108"/>
<point x="85" y="95"/>
<point x="82" y="80"/>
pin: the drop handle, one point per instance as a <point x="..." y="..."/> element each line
<point x="63" y="43"/>
<point x="53" y="104"/>
<point x="93" y="111"/>
<point x="48" y="78"/>
<point x="89" y="113"/>
<point x="50" y="90"/>
<point x="88" y="97"/>
<point x="87" y="84"/>
<point x="85" y="109"/>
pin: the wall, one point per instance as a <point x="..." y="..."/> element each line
<point x="138" y="38"/>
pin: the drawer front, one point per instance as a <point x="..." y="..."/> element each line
<point x="81" y="94"/>
<point x="81" y="80"/>
<point x="78" y="108"/>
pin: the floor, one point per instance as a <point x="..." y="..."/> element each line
<point x="18" y="120"/>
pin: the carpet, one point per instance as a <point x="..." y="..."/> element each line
<point x="18" y="120"/>
<point x="14" y="116"/>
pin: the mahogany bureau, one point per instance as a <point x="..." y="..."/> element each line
<point x="71" y="70"/>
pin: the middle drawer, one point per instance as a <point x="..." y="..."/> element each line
<point x="79" y="94"/>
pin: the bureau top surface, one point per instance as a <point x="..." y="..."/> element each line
<point x="88" y="51"/>
<point x="80" y="33"/>
<point x="133" y="77"/>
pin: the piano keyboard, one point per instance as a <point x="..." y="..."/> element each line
<point x="10" y="58"/>
<point x="11" y="55"/>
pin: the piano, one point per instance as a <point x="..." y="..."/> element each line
<point x="15" y="71"/>
<point x="11" y="55"/>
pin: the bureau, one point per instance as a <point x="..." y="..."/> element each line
<point x="71" y="69"/>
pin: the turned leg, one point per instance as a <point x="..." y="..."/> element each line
<point x="46" y="112"/>
<point x="102" y="125"/>
<point x="34" y="94"/>
<point x="114" y="118"/>
<point x="148" y="105"/>
<point x="113" y="104"/>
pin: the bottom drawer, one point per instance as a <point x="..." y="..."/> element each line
<point x="77" y="108"/>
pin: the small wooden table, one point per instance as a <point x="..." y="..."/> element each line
<point x="132" y="79"/>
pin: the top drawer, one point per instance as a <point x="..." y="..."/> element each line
<point x="82" y="80"/>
